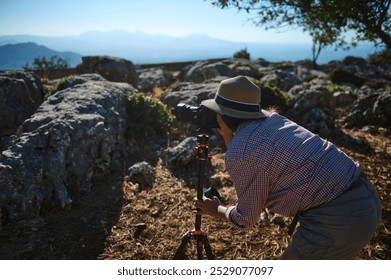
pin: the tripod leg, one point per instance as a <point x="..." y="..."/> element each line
<point x="208" y="248"/>
<point x="201" y="239"/>
<point x="182" y="248"/>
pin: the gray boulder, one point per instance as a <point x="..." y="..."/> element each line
<point x="319" y="120"/>
<point x="342" y="98"/>
<point x="154" y="77"/>
<point x="113" y="69"/>
<point x="191" y="93"/>
<point x="374" y="109"/>
<point x="282" y="79"/>
<point x="180" y="155"/>
<point x="309" y="97"/>
<point x="143" y="174"/>
<point x="311" y="107"/>
<point x="205" y="70"/>
<point x="20" y="95"/>
<point x="74" y="80"/>
<point x="75" y="138"/>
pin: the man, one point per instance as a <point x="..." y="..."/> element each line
<point x="276" y="164"/>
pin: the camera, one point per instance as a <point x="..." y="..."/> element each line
<point x="201" y="116"/>
<point x="211" y="192"/>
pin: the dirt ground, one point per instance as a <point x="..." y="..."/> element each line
<point x="122" y="221"/>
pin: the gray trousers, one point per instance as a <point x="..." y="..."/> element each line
<point x="340" y="228"/>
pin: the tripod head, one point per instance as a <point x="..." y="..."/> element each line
<point x="202" y="148"/>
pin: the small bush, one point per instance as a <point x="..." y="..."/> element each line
<point x="272" y="97"/>
<point x="242" y="54"/>
<point x="336" y="88"/>
<point x="309" y="77"/>
<point x="284" y="65"/>
<point x="59" y="86"/>
<point x="148" y="116"/>
<point x="46" y="65"/>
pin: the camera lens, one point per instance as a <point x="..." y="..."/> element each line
<point x="200" y="116"/>
<point x="185" y="112"/>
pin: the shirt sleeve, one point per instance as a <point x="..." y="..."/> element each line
<point x="251" y="185"/>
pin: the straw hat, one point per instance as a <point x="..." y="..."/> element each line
<point x="237" y="97"/>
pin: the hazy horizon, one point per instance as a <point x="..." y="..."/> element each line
<point x="143" y="48"/>
<point x="176" y="18"/>
<point x="170" y="20"/>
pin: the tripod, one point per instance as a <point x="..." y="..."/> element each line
<point x="200" y="237"/>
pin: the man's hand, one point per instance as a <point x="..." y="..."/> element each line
<point x="211" y="207"/>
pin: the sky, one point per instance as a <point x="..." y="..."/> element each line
<point x="177" y="18"/>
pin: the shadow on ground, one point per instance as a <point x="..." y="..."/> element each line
<point x="78" y="233"/>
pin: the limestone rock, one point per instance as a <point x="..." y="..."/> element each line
<point x="113" y="69"/>
<point x="75" y="138"/>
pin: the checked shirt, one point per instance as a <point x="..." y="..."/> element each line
<point x="276" y="164"/>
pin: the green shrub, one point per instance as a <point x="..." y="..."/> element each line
<point x="309" y="77"/>
<point x="339" y="76"/>
<point x="242" y="54"/>
<point x="46" y="65"/>
<point x="59" y="86"/>
<point x="148" y="116"/>
<point x="336" y="88"/>
<point x="272" y="97"/>
<point x="284" y="65"/>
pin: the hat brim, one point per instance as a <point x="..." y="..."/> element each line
<point x="224" y="111"/>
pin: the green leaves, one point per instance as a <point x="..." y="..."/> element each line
<point x="43" y="64"/>
<point x="327" y="21"/>
<point x="148" y="116"/>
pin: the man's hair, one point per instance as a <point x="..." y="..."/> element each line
<point x="233" y="123"/>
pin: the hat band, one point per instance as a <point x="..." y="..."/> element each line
<point x="237" y="106"/>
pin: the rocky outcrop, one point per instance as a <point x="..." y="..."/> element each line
<point x="204" y="70"/>
<point x="284" y="80"/>
<point x="20" y="95"/>
<point x="79" y="135"/>
<point x="374" y="109"/>
<point x="113" y="69"/>
<point x="73" y="80"/>
<point x="310" y="103"/>
<point x="180" y="155"/>
<point x="190" y="93"/>
<point x="75" y="138"/>
<point x="154" y="77"/>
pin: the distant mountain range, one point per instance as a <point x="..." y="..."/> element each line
<point x="142" y="48"/>
<point x="16" y="56"/>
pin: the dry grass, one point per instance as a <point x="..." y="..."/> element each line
<point x="119" y="221"/>
<point x="153" y="221"/>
